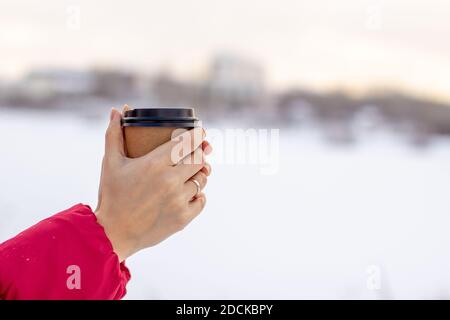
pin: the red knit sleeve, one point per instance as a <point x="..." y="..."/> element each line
<point x="66" y="256"/>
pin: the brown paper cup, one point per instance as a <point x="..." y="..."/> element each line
<point x="141" y="140"/>
<point x="146" y="129"/>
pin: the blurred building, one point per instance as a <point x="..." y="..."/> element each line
<point x="235" y="82"/>
<point x="232" y="84"/>
<point x="59" y="82"/>
<point x="46" y="87"/>
<point x="115" y="84"/>
<point x="233" y="87"/>
<point x="172" y="92"/>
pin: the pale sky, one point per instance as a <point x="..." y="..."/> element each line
<point x="320" y="44"/>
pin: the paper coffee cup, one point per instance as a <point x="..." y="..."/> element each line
<point x="146" y="129"/>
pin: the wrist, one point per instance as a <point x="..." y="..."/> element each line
<point x="122" y="246"/>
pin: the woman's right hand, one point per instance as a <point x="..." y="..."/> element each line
<point x="143" y="201"/>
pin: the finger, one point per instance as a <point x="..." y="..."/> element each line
<point x="190" y="187"/>
<point x="195" y="207"/>
<point x="207" y="148"/>
<point x="114" y="145"/>
<point x="190" y="165"/>
<point x="125" y="108"/>
<point x="178" y="147"/>
<point x="206" y="169"/>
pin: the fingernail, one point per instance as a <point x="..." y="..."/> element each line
<point x="207" y="169"/>
<point x="111" y="114"/>
<point x="115" y="115"/>
<point x="208" y="149"/>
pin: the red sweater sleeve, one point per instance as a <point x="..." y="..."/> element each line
<point x="66" y="256"/>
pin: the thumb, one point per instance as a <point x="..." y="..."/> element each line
<point x="114" y="145"/>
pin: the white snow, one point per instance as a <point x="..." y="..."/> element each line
<point x="322" y="227"/>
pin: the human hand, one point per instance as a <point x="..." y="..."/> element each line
<point x="143" y="201"/>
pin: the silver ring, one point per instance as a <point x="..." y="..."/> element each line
<point x="197" y="184"/>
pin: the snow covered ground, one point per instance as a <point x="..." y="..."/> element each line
<point x="364" y="221"/>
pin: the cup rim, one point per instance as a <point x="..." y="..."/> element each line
<point x="160" y="117"/>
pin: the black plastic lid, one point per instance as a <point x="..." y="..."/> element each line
<point x="160" y="117"/>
